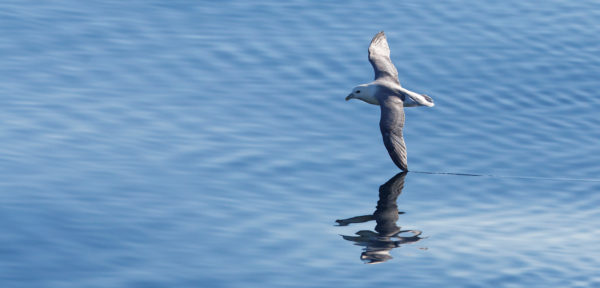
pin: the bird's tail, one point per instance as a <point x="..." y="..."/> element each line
<point x="427" y="98"/>
<point x="417" y="99"/>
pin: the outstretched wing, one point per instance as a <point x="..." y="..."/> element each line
<point x="391" y="124"/>
<point x="379" y="56"/>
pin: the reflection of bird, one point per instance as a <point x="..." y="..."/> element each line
<point x="387" y="235"/>
<point x="386" y="92"/>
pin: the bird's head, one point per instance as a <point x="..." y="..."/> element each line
<point x="365" y="93"/>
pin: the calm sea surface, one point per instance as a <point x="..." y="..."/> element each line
<point x="208" y="144"/>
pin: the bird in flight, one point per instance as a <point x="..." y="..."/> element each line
<point x="386" y="92"/>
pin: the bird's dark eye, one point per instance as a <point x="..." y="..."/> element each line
<point x="357" y="91"/>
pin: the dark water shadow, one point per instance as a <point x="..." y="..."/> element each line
<point x="387" y="235"/>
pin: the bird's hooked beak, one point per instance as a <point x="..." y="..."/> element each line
<point x="350" y="96"/>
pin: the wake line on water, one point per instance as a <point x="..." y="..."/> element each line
<point x="513" y="177"/>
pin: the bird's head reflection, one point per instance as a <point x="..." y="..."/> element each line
<point x="387" y="235"/>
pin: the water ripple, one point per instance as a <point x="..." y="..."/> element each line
<point x="209" y="144"/>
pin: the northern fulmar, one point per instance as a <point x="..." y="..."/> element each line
<point x="386" y="92"/>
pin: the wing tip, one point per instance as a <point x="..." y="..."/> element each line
<point x="378" y="36"/>
<point x="401" y="163"/>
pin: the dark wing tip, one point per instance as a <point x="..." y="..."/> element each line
<point x="379" y="47"/>
<point x="378" y="36"/>
<point x="379" y="56"/>
<point x="394" y="144"/>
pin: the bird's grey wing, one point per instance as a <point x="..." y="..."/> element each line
<point x="391" y="124"/>
<point x="379" y="56"/>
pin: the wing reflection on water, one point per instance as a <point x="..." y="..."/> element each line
<point x="387" y="234"/>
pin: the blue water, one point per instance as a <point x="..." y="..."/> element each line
<point x="208" y="144"/>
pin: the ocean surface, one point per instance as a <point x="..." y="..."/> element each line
<point x="208" y="144"/>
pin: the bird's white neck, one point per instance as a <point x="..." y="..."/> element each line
<point x="368" y="96"/>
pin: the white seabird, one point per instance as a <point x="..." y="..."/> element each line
<point x="386" y="92"/>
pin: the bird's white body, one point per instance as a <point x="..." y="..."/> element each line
<point x="367" y="92"/>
